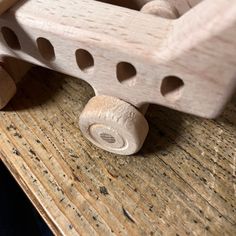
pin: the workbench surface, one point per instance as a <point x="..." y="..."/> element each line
<point x="181" y="183"/>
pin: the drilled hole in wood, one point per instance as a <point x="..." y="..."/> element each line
<point x="126" y="73"/>
<point x="172" y="87"/>
<point x="84" y="60"/>
<point x="46" y="49"/>
<point x="107" y="138"/>
<point x="131" y="4"/>
<point x="11" y="38"/>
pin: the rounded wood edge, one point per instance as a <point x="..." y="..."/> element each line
<point x="161" y="8"/>
<point x="113" y="125"/>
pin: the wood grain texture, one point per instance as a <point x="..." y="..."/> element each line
<point x="181" y="183"/>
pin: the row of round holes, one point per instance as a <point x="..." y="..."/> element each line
<point x="171" y="87"/>
<point x="84" y="59"/>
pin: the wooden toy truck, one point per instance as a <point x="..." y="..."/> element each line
<point x="167" y="54"/>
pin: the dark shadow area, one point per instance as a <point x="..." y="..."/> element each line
<point x="30" y="90"/>
<point x="131" y="4"/>
<point x="233" y="100"/>
<point x="17" y="214"/>
<point x="41" y="85"/>
<point x="228" y="116"/>
<point x="165" y="126"/>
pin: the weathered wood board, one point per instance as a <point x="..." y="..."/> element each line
<point x="181" y="183"/>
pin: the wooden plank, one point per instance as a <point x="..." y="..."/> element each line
<point x="181" y="183"/>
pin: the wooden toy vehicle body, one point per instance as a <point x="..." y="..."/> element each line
<point x="183" y="61"/>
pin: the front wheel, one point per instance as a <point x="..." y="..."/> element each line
<point x="113" y="125"/>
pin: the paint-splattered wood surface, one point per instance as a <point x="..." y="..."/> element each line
<point x="181" y="183"/>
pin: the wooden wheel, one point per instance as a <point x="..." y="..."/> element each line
<point x="7" y="88"/>
<point x="113" y="125"/>
<point x="161" y="8"/>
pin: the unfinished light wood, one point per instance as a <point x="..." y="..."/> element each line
<point x="113" y="125"/>
<point x="183" y="6"/>
<point x="7" y="87"/>
<point x="198" y="48"/>
<point x="6" y="4"/>
<point x="161" y="8"/>
<point x="182" y="182"/>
